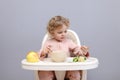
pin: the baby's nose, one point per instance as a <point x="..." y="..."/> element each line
<point x="63" y="34"/>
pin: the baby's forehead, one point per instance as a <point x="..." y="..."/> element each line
<point x="62" y="28"/>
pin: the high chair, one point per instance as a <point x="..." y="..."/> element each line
<point x="71" y="35"/>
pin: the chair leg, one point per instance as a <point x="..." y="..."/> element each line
<point x="36" y="75"/>
<point x="84" y="75"/>
<point x="60" y="75"/>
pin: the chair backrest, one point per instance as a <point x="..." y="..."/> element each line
<point x="70" y="34"/>
<point x="73" y="36"/>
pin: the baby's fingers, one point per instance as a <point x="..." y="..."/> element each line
<point x="49" y="49"/>
<point x="84" y="49"/>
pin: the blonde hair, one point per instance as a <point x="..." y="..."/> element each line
<point x="57" y="22"/>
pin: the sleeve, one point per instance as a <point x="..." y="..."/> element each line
<point x="74" y="48"/>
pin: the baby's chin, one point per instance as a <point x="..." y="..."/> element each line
<point x="62" y="39"/>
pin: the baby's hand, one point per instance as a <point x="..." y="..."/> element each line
<point x="42" y="55"/>
<point x="45" y="52"/>
<point x="84" y="49"/>
<point x="47" y="49"/>
<point x="77" y="51"/>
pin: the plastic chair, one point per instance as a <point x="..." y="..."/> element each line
<point x="71" y="35"/>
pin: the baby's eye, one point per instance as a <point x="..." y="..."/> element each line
<point x="59" y="32"/>
<point x="65" y="31"/>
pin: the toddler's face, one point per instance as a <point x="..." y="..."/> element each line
<point x="60" y="33"/>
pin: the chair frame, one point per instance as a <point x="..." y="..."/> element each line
<point x="76" y="40"/>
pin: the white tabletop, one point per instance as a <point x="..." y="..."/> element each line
<point x="47" y="64"/>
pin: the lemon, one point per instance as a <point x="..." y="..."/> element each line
<point x="32" y="57"/>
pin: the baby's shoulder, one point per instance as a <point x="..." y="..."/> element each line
<point x="50" y="41"/>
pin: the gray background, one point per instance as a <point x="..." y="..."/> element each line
<point x="23" y="25"/>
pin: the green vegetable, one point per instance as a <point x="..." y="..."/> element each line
<point x="75" y="59"/>
<point x="79" y="59"/>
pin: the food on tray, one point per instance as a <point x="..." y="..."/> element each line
<point x="32" y="56"/>
<point x="79" y="59"/>
<point x="58" y="56"/>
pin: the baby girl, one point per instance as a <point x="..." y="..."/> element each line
<point x="57" y="29"/>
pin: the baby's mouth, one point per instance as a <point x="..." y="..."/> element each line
<point x="62" y="37"/>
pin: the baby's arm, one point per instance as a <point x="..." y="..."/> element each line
<point x="81" y="51"/>
<point x="74" y="48"/>
<point x="46" y="49"/>
<point x="78" y="50"/>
